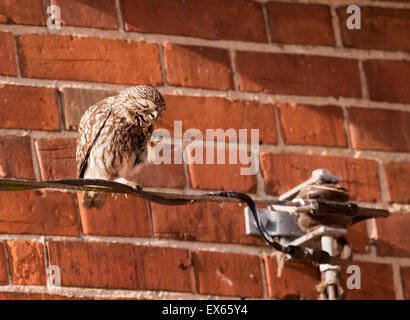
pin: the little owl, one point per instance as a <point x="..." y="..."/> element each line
<point x="114" y="135"/>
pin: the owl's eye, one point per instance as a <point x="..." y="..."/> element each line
<point x="143" y="103"/>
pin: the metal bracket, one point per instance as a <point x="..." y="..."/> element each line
<point x="277" y="223"/>
<point x="281" y="221"/>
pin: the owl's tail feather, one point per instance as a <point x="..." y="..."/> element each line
<point x="93" y="200"/>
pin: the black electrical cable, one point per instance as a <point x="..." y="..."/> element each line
<point x="97" y="185"/>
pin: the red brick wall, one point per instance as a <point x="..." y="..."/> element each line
<point x="320" y="94"/>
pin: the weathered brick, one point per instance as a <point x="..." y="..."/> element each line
<point x="15" y="158"/>
<point x="90" y="265"/>
<point x="227" y="274"/>
<point x="398" y="181"/>
<point x="388" y="80"/>
<point x="210" y="19"/>
<point x="209" y="222"/>
<point x="89" y="59"/>
<point x="282" y="172"/>
<point x="38" y="212"/>
<point x="198" y="67"/>
<point x="324" y="128"/>
<point x="26" y="260"/>
<point x="162" y="176"/>
<point x="119" y="217"/>
<point x="376" y="282"/>
<point x="298" y="74"/>
<point x="204" y="113"/>
<point x="76" y="101"/>
<point x="378" y="129"/>
<point x="4" y="277"/>
<point x="380" y="28"/>
<point x="393" y="238"/>
<point x="165" y="268"/>
<point x="24" y="107"/>
<point x="358" y="238"/>
<point x="405" y="276"/>
<point x="300" y="23"/>
<point x="296" y="281"/>
<point x="7" y="59"/>
<point x="23" y="12"/>
<point x="221" y="176"/>
<point x="90" y="13"/>
<point x="56" y="158"/>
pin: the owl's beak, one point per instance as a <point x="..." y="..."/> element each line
<point x="155" y="114"/>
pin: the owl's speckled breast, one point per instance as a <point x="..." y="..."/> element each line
<point x="123" y="146"/>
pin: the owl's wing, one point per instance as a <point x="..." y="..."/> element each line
<point x="89" y="129"/>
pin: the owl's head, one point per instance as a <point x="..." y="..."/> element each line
<point x="144" y="100"/>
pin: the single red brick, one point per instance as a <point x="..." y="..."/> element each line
<point x="227" y="274"/>
<point x="204" y="113"/>
<point x="300" y="23"/>
<point x="393" y="238"/>
<point x="15" y="157"/>
<point x="379" y="129"/>
<point x="222" y="176"/>
<point x="119" y="217"/>
<point x="405" y="276"/>
<point x="398" y="181"/>
<point x="298" y="74"/>
<point x="7" y="59"/>
<point x="198" y="67"/>
<point x="209" y="222"/>
<point x="358" y="238"/>
<point x="89" y="59"/>
<point x="388" y="80"/>
<point x="210" y="19"/>
<point x="4" y="274"/>
<point x="282" y="172"/>
<point x="91" y="264"/>
<point x="380" y="28"/>
<point x="162" y="176"/>
<point x="26" y="259"/>
<point x="165" y="268"/>
<point x="89" y="13"/>
<point x="24" y="107"/>
<point x="324" y="128"/>
<point x="23" y="12"/>
<point x="56" y="158"/>
<point x="76" y="101"/>
<point x="296" y="281"/>
<point x="96" y="264"/>
<point x="376" y="282"/>
<point x="38" y="212"/>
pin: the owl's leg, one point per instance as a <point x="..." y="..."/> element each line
<point x="94" y="199"/>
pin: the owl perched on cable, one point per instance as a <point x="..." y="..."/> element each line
<point x="113" y="138"/>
